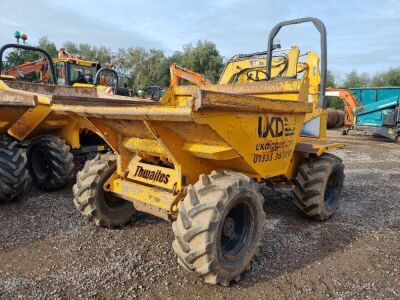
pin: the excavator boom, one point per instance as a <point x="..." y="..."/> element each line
<point x="27" y="68"/>
<point x="178" y="72"/>
<point x="350" y="103"/>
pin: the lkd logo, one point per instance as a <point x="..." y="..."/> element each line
<point x="273" y="127"/>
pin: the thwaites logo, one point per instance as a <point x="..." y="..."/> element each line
<point x="152" y="175"/>
<point x="274" y="127"/>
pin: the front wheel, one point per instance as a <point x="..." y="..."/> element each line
<point x="219" y="226"/>
<point x="95" y="205"/>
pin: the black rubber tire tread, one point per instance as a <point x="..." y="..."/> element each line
<point x="88" y="194"/>
<point x="13" y="173"/>
<point x="199" y="216"/>
<point x="310" y="184"/>
<point x="59" y="159"/>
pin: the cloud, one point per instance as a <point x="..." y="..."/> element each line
<point x="61" y="23"/>
<point x="362" y="34"/>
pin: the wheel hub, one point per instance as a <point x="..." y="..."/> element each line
<point x="229" y="227"/>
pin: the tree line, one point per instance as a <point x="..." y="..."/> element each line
<point x="138" y="67"/>
<point x="354" y="79"/>
<point x="141" y="67"/>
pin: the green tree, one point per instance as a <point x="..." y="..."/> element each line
<point x="165" y="65"/>
<point x="387" y="78"/>
<point x="130" y="63"/>
<point x="353" y="80"/>
<point x="204" y="58"/>
<point x="48" y="46"/>
<point x="330" y="79"/>
<point x="151" y="69"/>
<point x="71" y="47"/>
<point x="103" y="55"/>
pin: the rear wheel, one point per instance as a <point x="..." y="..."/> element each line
<point x="13" y="173"/>
<point x="96" y="205"/>
<point x="50" y="162"/>
<point x="219" y="226"/>
<point x="318" y="186"/>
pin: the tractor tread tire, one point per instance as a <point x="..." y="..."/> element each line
<point x="89" y="185"/>
<point x="59" y="157"/>
<point x="198" y="217"/>
<point x="310" y="184"/>
<point x="13" y="173"/>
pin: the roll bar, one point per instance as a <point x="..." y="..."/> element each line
<point x="31" y="48"/>
<point x="322" y="102"/>
<point x="106" y="69"/>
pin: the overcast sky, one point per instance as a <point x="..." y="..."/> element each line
<point x="362" y="34"/>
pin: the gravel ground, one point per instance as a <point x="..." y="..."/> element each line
<point x="48" y="252"/>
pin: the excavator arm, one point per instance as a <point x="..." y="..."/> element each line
<point x="28" y="68"/>
<point x="178" y="72"/>
<point x="350" y="103"/>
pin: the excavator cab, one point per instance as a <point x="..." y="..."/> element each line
<point x="66" y="70"/>
<point x="73" y="71"/>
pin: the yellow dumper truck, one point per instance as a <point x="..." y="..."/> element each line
<point x="197" y="158"/>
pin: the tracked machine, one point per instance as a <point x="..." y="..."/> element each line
<point x="198" y="158"/>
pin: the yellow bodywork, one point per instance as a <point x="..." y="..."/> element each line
<point x="23" y="122"/>
<point x="27" y="121"/>
<point x="245" y="69"/>
<point x="77" y="61"/>
<point x="12" y="107"/>
<point x="249" y="127"/>
<point x="255" y="127"/>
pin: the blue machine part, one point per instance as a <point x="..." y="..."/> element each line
<point x="379" y="106"/>
<point x="373" y="113"/>
<point x="370" y="95"/>
<point x="311" y="128"/>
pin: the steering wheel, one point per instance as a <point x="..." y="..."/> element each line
<point x="257" y="78"/>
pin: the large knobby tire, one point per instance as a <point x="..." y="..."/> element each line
<point x="219" y="226"/>
<point x="50" y="162"/>
<point x="13" y="173"/>
<point x="318" y="186"/>
<point x="96" y="205"/>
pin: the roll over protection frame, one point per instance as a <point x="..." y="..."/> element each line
<point x="322" y="102"/>
<point x="30" y="48"/>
